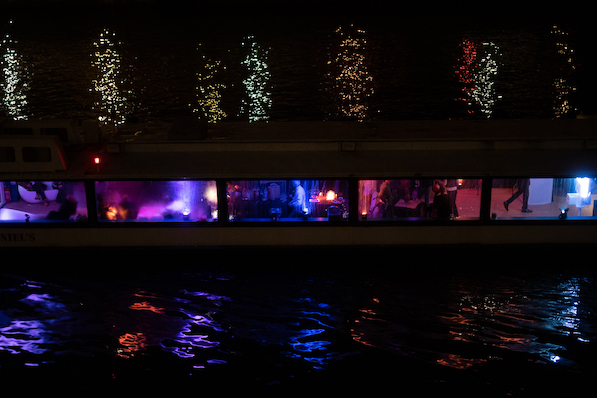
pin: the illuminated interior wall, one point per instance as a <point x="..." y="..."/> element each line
<point x="536" y="198"/>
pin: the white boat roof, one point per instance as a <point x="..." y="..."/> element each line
<point x="397" y="149"/>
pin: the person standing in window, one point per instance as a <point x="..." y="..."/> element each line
<point x="523" y="189"/>
<point x="452" y="191"/>
<point x="386" y="199"/>
<point x="299" y="200"/>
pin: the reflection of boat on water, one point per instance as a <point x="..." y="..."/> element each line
<point x="233" y="183"/>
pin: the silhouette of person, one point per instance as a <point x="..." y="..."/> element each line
<point x="452" y="191"/>
<point x="441" y="202"/>
<point x="386" y="198"/>
<point x="66" y="210"/>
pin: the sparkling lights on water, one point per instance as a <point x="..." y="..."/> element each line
<point x="209" y="91"/>
<point x="476" y="70"/>
<point x="15" y="82"/>
<point x="113" y="104"/>
<point x="258" y="99"/>
<point x="351" y="82"/>
<point x="562" y="86"/>
<point x="349" y="89"/>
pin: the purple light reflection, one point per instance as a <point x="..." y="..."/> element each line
<point x="30" y="335"/>
<point x="24" y="336"/>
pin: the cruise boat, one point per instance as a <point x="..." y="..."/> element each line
<point x="185" y="183"/>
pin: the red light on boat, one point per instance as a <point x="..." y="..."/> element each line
<point x="96" y="160"/>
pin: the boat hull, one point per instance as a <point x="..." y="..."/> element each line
<point x="569" y="232"/>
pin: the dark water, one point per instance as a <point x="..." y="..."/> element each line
<point x="472" y="321"/>
<point x="319" y="61"/>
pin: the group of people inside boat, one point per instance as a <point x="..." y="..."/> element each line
<point x="410" y="198"/>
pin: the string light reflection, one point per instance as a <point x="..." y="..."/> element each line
<point x="257" y="84"/>
<point x="209" y="95"/>
<point x="351" y="80"/>
<point x="563" y="88"/>
<point x="476" y="71"/>
<point x="16" y="80"/>
<point x="113" y="106"/>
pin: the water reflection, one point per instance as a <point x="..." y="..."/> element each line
<point x="180" y="325"/>
<point x="113" y="106"/>
<point x="476" y="70"/>
<point x="563" y="88"/>
<point x="209" y="90"/>
<point x="301" y="327"/>
<point x="257" y="102"/>
<point x="24" y="335"/>
<point x="350" y="82"/>
<point x="465" y="71"/>
<point x="33" y="324"/>
<point x="260" y="323"/>
<point x="485" y="322"/>
<point x="16" y="80"/>
<point x="570" y="312"/>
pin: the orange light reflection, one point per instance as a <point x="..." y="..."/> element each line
<point x="132" y="343"/>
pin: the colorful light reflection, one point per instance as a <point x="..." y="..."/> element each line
<point x="476" y="70"/>
<point x="176" y="324"/>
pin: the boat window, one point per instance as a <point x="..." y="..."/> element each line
<point x="36" y="154"/>
<point x="419" y="199"/>
<point x="543" y="198"/>
<point x="287" y="200"/>
<point x="61" y="132"/>
<point x="18" y="131"/>
<point x="157" y="201"/>
<point x="43" y="201"/>
<point x="7" y="154"/>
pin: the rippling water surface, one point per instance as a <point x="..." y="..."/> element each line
<point x="435" y="320"/>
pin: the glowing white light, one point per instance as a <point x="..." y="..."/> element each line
<point x="211" y="194"/>
<point x="177" y="205"/>
<point x="583" y="187"/>
<point x="554" y="358"/>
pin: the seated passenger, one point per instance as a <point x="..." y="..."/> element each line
<point x="66" y="210"/>
<point x="127" y="209"/>
<point x="39" y="189"/>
